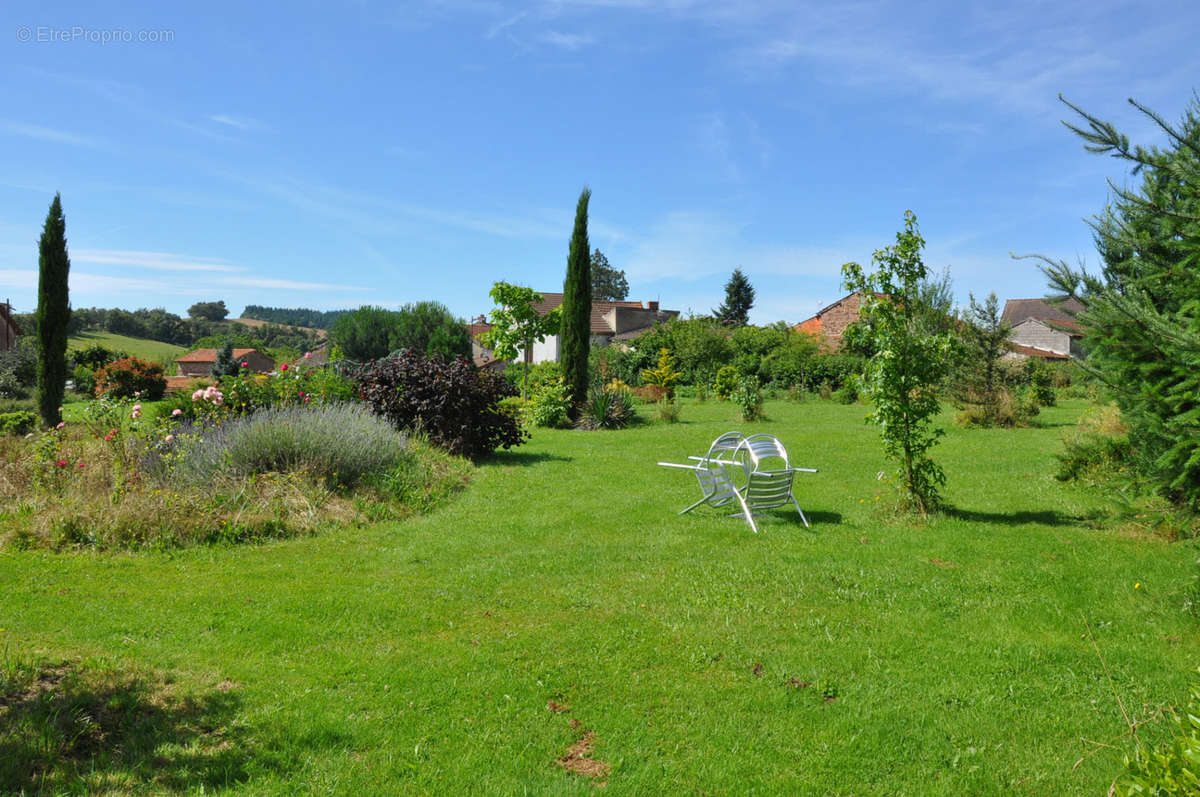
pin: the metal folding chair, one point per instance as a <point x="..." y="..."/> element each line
<point x="754" y="471"/>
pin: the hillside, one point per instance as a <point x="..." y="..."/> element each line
<point x="254" y="323"/>
<point x="153" y="350"/>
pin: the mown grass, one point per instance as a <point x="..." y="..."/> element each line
<point x="152" y="350"/>
<point x="421" y="657"/>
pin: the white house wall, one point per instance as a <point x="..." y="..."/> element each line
<point x="1036" y="334"/>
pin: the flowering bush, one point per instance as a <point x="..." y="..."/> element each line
<point x="549" y="404"/>
<point x="457" y="406"/>
<point x="124" y="378"/>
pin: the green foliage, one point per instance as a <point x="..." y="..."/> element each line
<point x="1098" y="449"/>
<point x="700" y="346"/>
<point x="1172" y="769"/>
<point x="225" y="365"/>
<point x="517" y="325"/>
<point x="663" y="375"/>
<point x="749" y="398"/>
<point x="209" y="311"/>
<point x="85" y="380"/>
<point x="575" y="338"/>
<point x="17" y="423"/>
<point x="606" y="408"/>
<point x="790" y="363"/>
<point x="725" y="382"/>
<point x="608" y="283"/>
<point x="751" y="345"/>
<point x="1139" y="319"/>
<point x="1041" y="381"/>
<point x="549" y="405"/>
<point x="130" y="376"/>
<point x="96" y="355"/>
<point x="366" y="334"/>
<point x="539" y="374"/>
<point x="53" y="314"/>
<point x="606" y="363"/>
<point x="901" y="380"/>
<point x="979" y="381"/>
<point x="18" y="368"/>
<point x="846" y="394"/>
<point x="739" y="298"/>
<point x="429" y="328"/>
<point x="294" y="316"/>
<point x="668" y="410"/>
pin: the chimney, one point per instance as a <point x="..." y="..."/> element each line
<point x="654" y="306"/>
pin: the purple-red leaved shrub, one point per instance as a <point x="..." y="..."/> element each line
<point x="457" y="406"/>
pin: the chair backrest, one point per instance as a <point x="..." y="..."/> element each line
<point x="763" y="452"/>
<point x="768" y="473"/>
<point x="715" y="473"/>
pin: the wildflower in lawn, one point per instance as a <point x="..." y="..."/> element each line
<point x="62" y="463"/>
<point x="175" y="413"/>
<point x="81" y="465"/>
<point x="1138" y="585"/>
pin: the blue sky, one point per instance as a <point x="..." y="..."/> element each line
<point x="335" y="154"/>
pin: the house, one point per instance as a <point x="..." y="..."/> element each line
<point x="610" y="322"/>
<point x="831" y="321"/>
<point x="1042" y="329"/>
<point x="9" y="330"/>
<point x="201" y="361"/>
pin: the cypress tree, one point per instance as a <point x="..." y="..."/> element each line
<point x="577" y="309"/>
<point x="225" y="365"/>
<point x="53" y="313"/>
<point x="739" y="298"/>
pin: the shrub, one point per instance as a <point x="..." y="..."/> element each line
<point x="339" y="443"/>
<point x="539" y="374"/>
<point x="18" y="423"/>
<point x="1041" y="381"/>
<point x="1174" y="767"/>
<point x="123" y="378"/>
<point x="457" y="406"/>
<point x="1099" y="447"/>
<point x="1005" y="408"/>
<point x="846" y="394"/>
<point x="549" y="405"/>
<point x="85" y="379"/>
<point x="663" y="375"/>
<point x="726" y="382"/>
<point x="832" y="369"/>
<point x="668" y="411"/>
<point x="749" y="399"/>
<point x="649" y="394"/>
<point x="606" y="409"/>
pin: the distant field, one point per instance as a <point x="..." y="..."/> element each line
<point x="154" y="350"/>
<point x="255" y="323"/>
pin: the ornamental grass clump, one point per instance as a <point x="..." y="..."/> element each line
<point x="606" y="409"/>
<point x="338" y="443"/>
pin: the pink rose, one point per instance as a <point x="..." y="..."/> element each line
<point x="61" y="424"/>
<point x="175" y="413"/>
<point x="169" y="438"/>
<point x="307" y="354"/>
<point x="245" y="365"/>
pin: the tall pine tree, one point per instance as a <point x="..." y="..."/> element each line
<point x="739" y="298"/>
<point x="53" y="313"/>
<point x="1140" y="319"/>
<point x="575" y="334"/>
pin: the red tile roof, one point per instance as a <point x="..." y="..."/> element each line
<point x="210" y="355"/>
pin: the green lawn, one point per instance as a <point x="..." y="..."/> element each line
<point x="421" y="657"/>
<point x="153" y="350"/>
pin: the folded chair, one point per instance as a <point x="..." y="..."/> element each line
<point x="769" y="476"/>
<point x="716" y="471"/>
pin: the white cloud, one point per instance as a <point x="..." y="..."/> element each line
<point x="49" y="134"/>
<point x="162" y="261"/>
<point x="244" y="124"/>
<point x="567" y="41"/>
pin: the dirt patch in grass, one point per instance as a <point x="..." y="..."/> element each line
<point x="578" y="760"/>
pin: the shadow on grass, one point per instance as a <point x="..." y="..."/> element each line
<point x="65" y="728"/>
<point x="1044" y="517"/>
<point x="522" y="458"/>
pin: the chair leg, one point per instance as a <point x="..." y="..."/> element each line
<point x="801" y="511"/>
<point x="693" y="506"/>
<point x="746" y="511"/>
